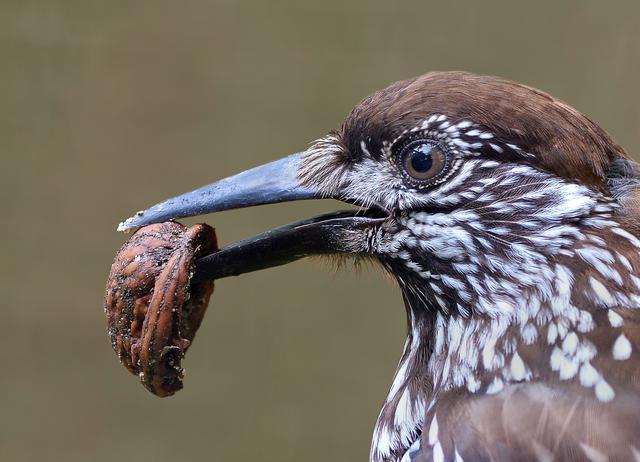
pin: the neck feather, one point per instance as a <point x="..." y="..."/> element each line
<point x="536" y="329"/>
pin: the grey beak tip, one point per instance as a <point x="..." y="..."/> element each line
<point x="127" y="226"/>
<point x="123" y="227"/>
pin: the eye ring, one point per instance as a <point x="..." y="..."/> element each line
<point x="424" y="162"/>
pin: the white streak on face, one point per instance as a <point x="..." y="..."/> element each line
<point x="463" y="174"/>
<point x="364" y="148"/>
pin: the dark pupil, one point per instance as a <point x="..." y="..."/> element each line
<point x="421" y="160"/>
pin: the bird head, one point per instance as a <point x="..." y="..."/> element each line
<point x="469" y="186"/>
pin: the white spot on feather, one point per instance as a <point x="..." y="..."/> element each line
<point x="438" y="454"/>
<point x="601" y="291"/>
<point x="518" y="369"/>
<point x="622" y="348"/>
<point x="433" y="431"/>
<point x="593" y="454"/>
<point x="604" y="392"/>
<point x="615" y="319"/>
<point x="495" y="387"/>
<point x="589" y="376"/>
<point x="552" y="333"/>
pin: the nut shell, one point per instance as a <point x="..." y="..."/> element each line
<point x="153" y="312"/>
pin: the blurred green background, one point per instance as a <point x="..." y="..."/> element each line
<point x="107" y="107"/>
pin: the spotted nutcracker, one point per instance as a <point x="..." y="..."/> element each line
<point x="510" y="222"/>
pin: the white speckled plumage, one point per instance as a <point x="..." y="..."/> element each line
<point x="518" y="264"/>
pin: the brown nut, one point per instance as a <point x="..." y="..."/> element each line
<point x="153" y="312"/>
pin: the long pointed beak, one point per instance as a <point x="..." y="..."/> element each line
<point x="341" y="232"/>
<point x="267" y="184"/>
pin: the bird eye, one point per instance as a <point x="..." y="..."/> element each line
<point x="423" y="161"/>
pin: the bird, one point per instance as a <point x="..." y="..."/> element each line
<point x="510" y="222"/>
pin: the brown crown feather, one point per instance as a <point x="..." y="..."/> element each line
<point x="564" y="141"/>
